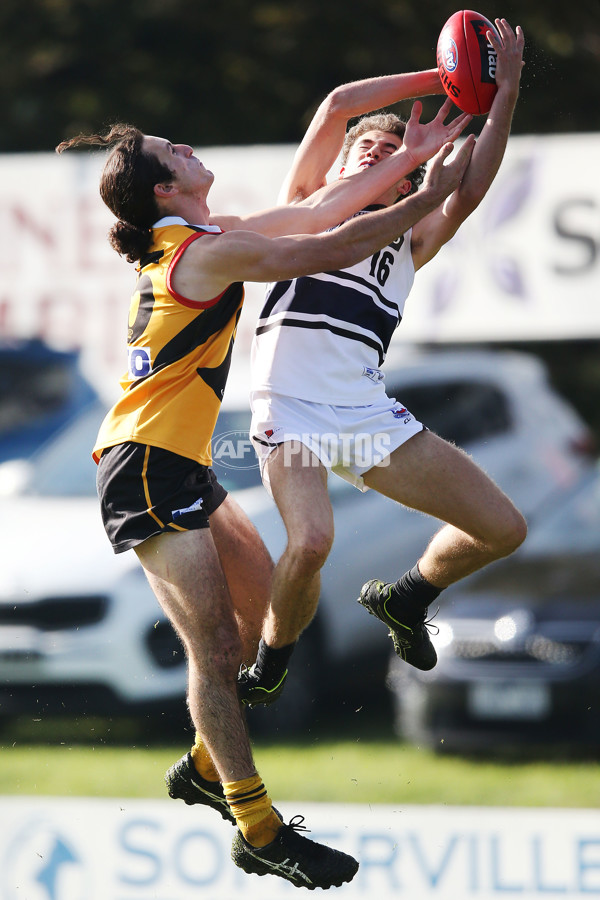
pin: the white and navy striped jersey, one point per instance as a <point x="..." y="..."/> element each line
<point x="324" y="337"/>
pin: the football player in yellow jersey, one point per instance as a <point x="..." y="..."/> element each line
<point x="203" y="558"/>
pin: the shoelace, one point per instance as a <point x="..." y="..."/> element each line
<point x="243" y="674"/>
<point x="248" y="675"/>
<point x="296" y="823"/>
<point x="428" y="623"/>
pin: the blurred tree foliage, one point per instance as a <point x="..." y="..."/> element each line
<point x="252" y="71"/>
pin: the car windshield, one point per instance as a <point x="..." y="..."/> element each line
<point x="64" y="466"/>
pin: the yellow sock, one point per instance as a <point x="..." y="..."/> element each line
<point x="202" y="760"/>
<point x="253" y="811"/>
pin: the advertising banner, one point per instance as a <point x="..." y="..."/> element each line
<point x="80" y="849"/>
<point x="526" y="264"/>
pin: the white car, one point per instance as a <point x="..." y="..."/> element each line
<point x="80" y="630"/>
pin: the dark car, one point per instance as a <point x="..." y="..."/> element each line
<point x="518" y="645"/>
<point x="41" y="390"/>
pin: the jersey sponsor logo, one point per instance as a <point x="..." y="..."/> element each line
<point x="374" y="375"/>
<point x="140" y="363"/>
<point x="400" y="412"/>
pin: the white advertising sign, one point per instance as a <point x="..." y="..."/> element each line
<point x="526" y="264"/>
<point x="79" y="849"/>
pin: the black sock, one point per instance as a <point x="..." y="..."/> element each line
<point x="412" y="593"/>
<point x="271" y="663"/>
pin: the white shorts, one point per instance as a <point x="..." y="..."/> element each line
<point x="347" y="440"/>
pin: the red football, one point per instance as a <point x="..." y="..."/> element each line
<point x="467" y="61"/>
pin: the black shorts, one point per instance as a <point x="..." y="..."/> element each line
<point x="145" y="491"/>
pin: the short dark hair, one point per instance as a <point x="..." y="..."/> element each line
<point x="383" y="121"/>
<point x="127" y="186"/>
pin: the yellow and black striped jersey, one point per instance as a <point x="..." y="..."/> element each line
<point x="179" y="355"/>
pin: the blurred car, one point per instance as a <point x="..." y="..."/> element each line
<point x="41" y="389"/>
<point x="518" y="645"/>
<point x="80" y="628"/>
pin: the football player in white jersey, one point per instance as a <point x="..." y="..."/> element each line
<point x="316" y="385"/>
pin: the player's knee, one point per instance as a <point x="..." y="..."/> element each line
<point x="512" y="533"/>
<point x="309" y="550"/>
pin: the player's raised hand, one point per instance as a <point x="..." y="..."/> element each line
<point x="509" y="46"/>
<point x="443" y="177"/>
<point x="424" y="139"/>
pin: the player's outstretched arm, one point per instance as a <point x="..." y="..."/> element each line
<point x="324" y="136"/>
<point x="337" y="201"/>
<point x="430" y="234"/>
<point x="493" y="139"/>
<point x="209" y="265"/>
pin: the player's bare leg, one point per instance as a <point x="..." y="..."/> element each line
<point x="185" y="573"/>
<point x="299" y="486"/>
<point x="186" y="576"/>
<point x="431" y="475"/>
<point x="248" y="568"/>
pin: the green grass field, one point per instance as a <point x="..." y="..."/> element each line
<point x="365" y="770"/>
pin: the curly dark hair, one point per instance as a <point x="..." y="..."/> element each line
<point x="383" y="121"/>
<point x="127" y="186"/>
